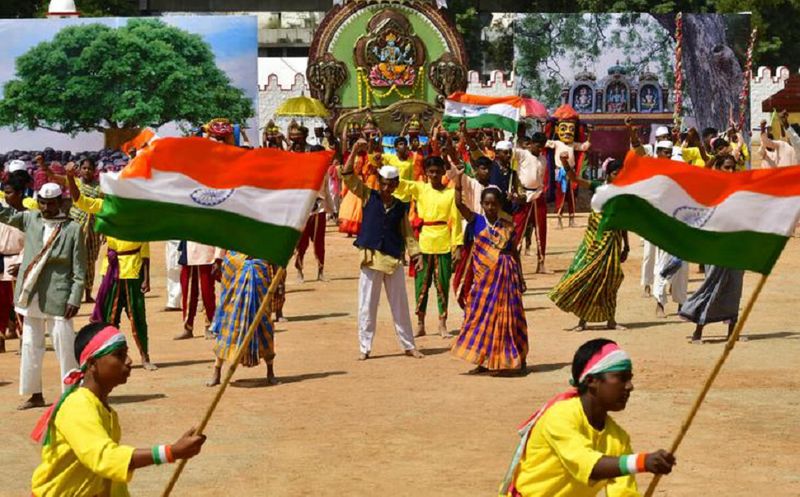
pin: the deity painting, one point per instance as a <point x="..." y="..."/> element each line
<point x="616" y="98"/>
<point x="390" y="54"/>
<point x="395" y="64"/>
<point x="583" y="99"/>
<point x="648" y="99"/>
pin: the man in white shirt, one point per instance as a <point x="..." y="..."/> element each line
<point x="532" y="171"/>
<point x="197" y="281"/>
<point x="775" y="153"/>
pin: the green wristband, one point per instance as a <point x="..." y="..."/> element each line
<point x="156" y="458"/>
<point x="623" y="465"/>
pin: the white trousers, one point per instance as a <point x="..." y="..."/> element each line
<point x="648" y="264"/>
<point x="33" y="347"/>
<point x="676" y="285"/>
<point x="369" y="295"/>
<point x="173" y="275"/>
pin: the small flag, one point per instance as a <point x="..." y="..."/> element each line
<point x="482" y="112"/>
<point x="253" y="201"/>
<point x="737" y="220"/>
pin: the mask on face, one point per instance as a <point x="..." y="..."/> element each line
<point x="566" y="131"/>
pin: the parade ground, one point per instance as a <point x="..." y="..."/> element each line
<point x="398" y="426"/>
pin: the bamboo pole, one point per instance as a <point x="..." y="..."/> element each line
<point x="262" y="309"/>
<point x="711" y="377"/>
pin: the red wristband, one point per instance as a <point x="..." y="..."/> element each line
<point x="640" y="460"/>
<point x="170" y="457"/>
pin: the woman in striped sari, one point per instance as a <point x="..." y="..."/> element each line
<point x="589" y="287"/>
<point x="245" y="282"/>
<point x="494" y="335"/>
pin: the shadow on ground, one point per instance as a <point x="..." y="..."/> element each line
<point x="262" y="382"/>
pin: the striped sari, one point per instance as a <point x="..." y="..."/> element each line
<point x="245" y="282"/>
<point x="589" y="287"/>
<point x="495" y="332"/>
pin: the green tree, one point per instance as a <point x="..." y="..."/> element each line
<point x="92" y="78"/>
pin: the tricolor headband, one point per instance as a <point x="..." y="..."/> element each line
<point x="608" y="359"/>
<point x="106" y="341"/>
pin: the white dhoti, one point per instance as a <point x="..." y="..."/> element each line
<point x="648" y="264"/>
<point x="369" y="295"/>
<point x="32" y="350"/>
<point x="173" y="275"/>
<point x="675" y="285"/>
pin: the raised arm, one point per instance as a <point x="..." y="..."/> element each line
<point x="352" y="181"/>
<point x="462" y="208"/>
<point x="636" y="143"/>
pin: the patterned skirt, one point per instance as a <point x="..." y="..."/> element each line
<point x="589" y="287"/>
<point x="245" y="283"/>
<point x="350" y="214"/>
<point x="495" y="331"/>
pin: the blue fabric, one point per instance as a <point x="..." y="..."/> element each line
<point x="381" y="229"/>
<point x="183" y="256"/>
<point x="502" y="180"/>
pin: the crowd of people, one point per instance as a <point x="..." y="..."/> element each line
<point x="454" y="209"/>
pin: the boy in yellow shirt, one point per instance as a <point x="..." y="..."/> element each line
<point x="81" y="456"/>
<point x="571" y="447"/>
<point x="439" y="240"/>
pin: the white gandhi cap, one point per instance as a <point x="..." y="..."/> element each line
<point x="662" y="131"/>
<point x="503" y="145"/>
<point x="16" y="165"/>
<point x="50" y="190"/>
<point x="389" y="172"/>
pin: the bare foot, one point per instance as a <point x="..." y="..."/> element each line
<point x="148" y="366"/>
<point x="215" y="378"/>
<point x="572" y="222"/>
<point x="660" y="313"/>
<point x="478" y="370"/>
<point x="540" y="269"/>
<point x="696" y="341"/>
<point x="88" y="299"/>
<point x="646" y="291"/>
<point x="300" y="278"/>
<point x="581" y="327"/>
<point x="34" y="402"/>
<point x="208" y="334"/>
<point x="416" y="354"/>
<point x="420" y="329"/>
<point x="363" y="356"/>
<point x="321" y="276"/>
<point x="443" y="328"/>
<point x="560" y="223"/>
<point x="272" y="381"/>
<point x="186" y="335"/>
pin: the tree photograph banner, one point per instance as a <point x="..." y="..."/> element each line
<point x="85" y="83"/>
<point x="627" y="63"/>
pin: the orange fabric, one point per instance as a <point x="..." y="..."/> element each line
<point x="217" y="165"/>
<point x="139" y="141"/>
<point x="708" y="186"/>
<point x="467" y="98"/>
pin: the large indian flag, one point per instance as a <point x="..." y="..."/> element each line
<point x="253" y="201"/>
<point x="737" y="220"/>
<point x="482" y="112"/>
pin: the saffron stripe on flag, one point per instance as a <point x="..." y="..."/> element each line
<point x="123" y="218"/>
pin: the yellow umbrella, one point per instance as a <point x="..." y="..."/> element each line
<point x="302" y="106"/>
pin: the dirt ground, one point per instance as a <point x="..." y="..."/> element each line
<point x="404" y="427"/>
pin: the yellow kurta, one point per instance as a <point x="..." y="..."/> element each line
<point x="84" y="458"/>
<point x="562" y="451"/>
<point x="434" y="206"/>
<point x="130" y="266"/>
<point x="404" y="167"/>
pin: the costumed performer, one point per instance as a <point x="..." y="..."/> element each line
<point x="561" y="131"/>
<point x="384" y="238"/>
<point x="245" y="283"/>
<point x="589" y="287"/>
<point x="571" y="447"/>
<point x="314" y="230"/>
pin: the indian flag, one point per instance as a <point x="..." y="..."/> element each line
<point x="482" y="112"/>
<point x="738" y="220"/>
<point x="253" y="201"/>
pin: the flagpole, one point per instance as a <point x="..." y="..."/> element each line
<point x="262" y="309"/>
<point x="711" y="377"/>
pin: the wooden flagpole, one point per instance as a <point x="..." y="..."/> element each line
<point x="711" y="377"/>
<point x="264" y="308"/>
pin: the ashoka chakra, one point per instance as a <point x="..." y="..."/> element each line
<point x="209" y="197"/>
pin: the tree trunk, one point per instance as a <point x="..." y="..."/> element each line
<point x="713" y="76"/>
<point x="114" y="138"/>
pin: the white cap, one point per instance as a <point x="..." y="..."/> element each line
<point x="16" y="165"/>
<point x="50" y="190"/>
<point x="661" y="131"/>
<point x="664" y="144"/>
<point x="503" y="145"/>
<point x="389" y="172"/>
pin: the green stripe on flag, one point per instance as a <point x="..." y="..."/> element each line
<point x="147" y="221"/>
<point x="748" y="250"/>
<point x="451" y="123"/>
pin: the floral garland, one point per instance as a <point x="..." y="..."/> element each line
<point x="371" y="93"/>
<point x="676" y="116"/>
<point x="748" y="74"/>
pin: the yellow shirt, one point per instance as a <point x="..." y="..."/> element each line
<point x="434" y="206"/>
<point x="130" y="266"/>
<point x="84" y="458"/>
<point x="562" y="451"/>
<point x="405" y="167"/>
<point x="691" y="155"/>
<point x="27" y="202"/>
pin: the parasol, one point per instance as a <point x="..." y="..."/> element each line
<point x="302" y="106"/>
<point x="534" y="109"/>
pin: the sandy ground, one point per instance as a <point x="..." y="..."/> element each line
<point x="398" y="426"/>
